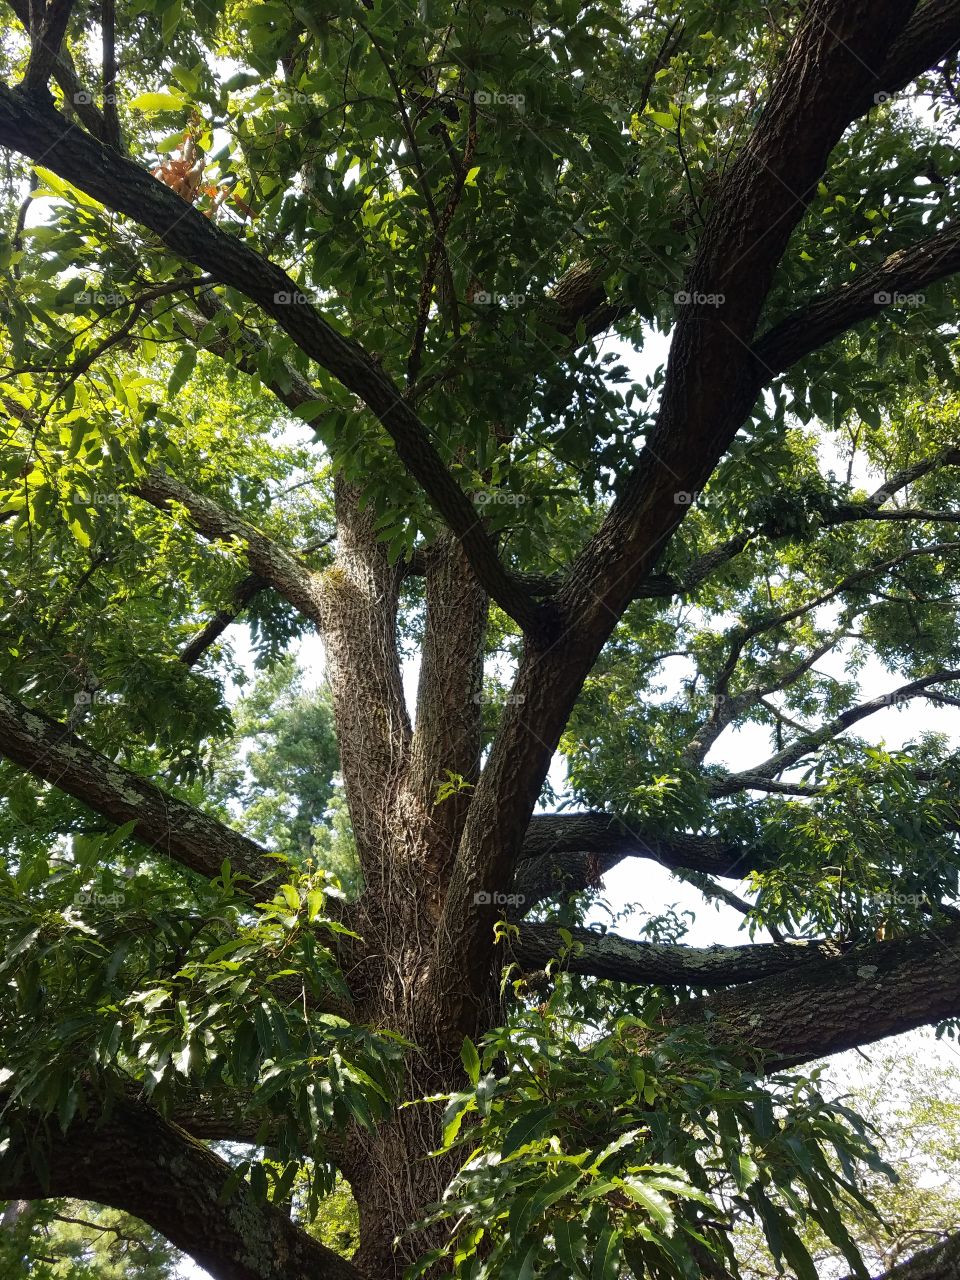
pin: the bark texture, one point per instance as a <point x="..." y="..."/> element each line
<point x="440" y="831"/>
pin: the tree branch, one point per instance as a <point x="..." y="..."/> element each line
<point x="873" y="991"/>
<point x="47" y="30"/>
<point x="940" y="1262"/>
<point x="66" y="77"/>
<point x="663" y="587"/>
<point x="932" y="35"/>
<point x="270" y="562"/>
<point x="243" y="593"/>
<point x="795" y="752"/>
<point x="829" y="72"/>
<point x="564" y="853"/>
<point x="39" y="132"/>
<point x="871" y="292"/>
<point x="606" y="955"/>
<point x="47" y="749"/>
<point x="129" y="1158"/>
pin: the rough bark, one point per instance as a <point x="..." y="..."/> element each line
<point x="940" y="1262"/>
<point x="711" y="384"/>
<point x="449" y="711"/>
<point x="873" y="991"/>
<point x="606" y="955"/>
<point x="130" y="1158"/>
<point x="48" y="750"/>
<point x="427" y="911"/>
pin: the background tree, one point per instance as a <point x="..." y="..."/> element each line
<point x="307" y="322"/>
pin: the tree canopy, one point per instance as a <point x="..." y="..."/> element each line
<point x="583" y="376"/>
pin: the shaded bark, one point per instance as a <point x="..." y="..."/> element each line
<point x="606" y="955"/>
<point x="873" y="991"/>
<point x="711" y="384"/>
<point x="131" y="1159"/>
<point x="47" y="749"/>
<point x="940" y="1262"/>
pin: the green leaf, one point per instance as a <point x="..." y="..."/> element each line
<point x="471" y="1060"/>
<point x="152" y="104"/>
<point x="607" y="1256"/>
<point x="656" y="1205"/>
<point x="525" y="1129"/>
<point x="182" y="371"/>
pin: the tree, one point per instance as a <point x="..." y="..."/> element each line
<point x="915" y="1103"/>
<point x="408" y="232"/>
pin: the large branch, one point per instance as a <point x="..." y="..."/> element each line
<point x="606" y="955"/>
<point x="874" y="991"/>
<point x="270" y="562"/>
<point x="566" y="852"/>
<point x="36" y="130"/>
<point x="66" y="77"/>
<point x="830" y="72"/>
<point x="829" y="76"/>
<point x="48" y="750"/>
<point x="940" y="1262"/>
<point x="129" y="1158"/>
<point x="932" y="35"/>
<point x="870" y="292"/>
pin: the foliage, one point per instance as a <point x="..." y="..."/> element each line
<point x="71" y="1240"/>
<point x="608" y="1149"/>
<point x="569" y="145"/>
<point x="915" y="1104"/>
<point x="110" y="978"/>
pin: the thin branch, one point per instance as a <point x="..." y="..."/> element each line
<point x="270" y="562"/>
<point x="38" y="131"/>
<point x="243" y="593"/>
<point x="871" y="292"/>
<point x="795" y="752"/>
